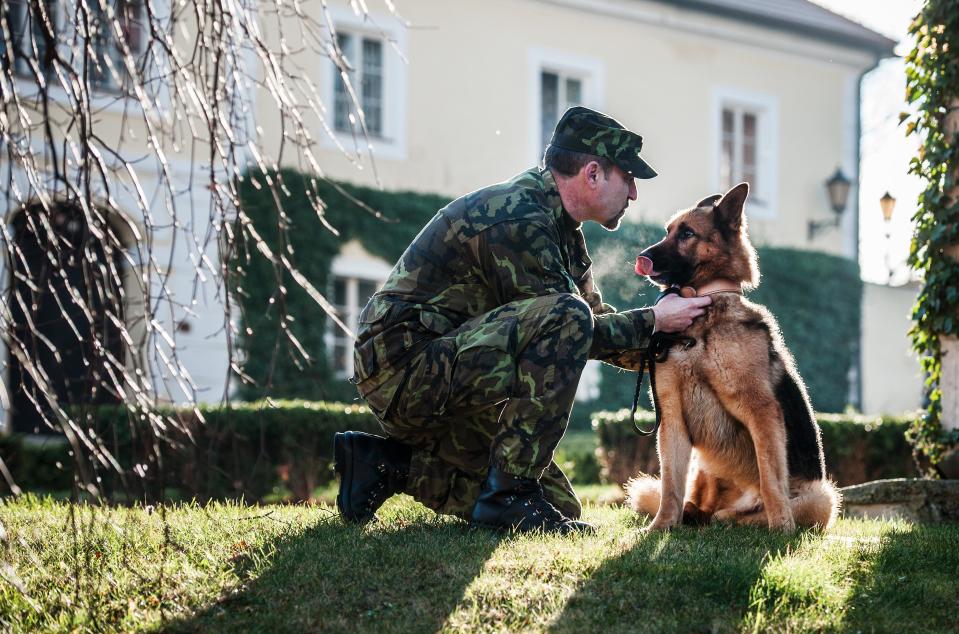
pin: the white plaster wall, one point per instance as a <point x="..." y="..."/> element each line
<point x="892" y="380"/>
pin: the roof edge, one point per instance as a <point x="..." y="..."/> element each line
<point x="871" y="41"/>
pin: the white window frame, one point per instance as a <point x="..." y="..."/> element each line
<point x="355" y="52"/>
<point x="563" y="78"/>
<point x="589" y="70"/>
<point x="391" y="144"/>
<point x="353" y="269"/>
<point x="764" y="197"/>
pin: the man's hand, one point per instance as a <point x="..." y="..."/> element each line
<point x="675" y="314"/>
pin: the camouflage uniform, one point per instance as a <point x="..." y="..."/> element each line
<point x="472" y="351"/>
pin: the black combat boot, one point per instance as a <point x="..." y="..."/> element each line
<point x="372" y="469"/>
<point x="507" y="502"/>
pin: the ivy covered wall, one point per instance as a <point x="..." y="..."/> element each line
<point x="932" y="87"/>
<point x="270" y="359"/>
<point x="815" y="296"/>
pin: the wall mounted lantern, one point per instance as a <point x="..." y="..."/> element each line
<point x="838" y="189"/>
<point x="887" y="203"/>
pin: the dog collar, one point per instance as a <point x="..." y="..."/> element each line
<point x="711" y="288"/>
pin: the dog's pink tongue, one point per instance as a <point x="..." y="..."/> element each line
<point x="644" y="266"/>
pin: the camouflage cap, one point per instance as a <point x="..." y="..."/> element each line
<point x="583" y="130"/>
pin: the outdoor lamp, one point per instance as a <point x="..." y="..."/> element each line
<point x="838" y="189"/>
<point x="887" y="203"/>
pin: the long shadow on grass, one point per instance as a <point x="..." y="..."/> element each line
<point x="402" y="577"/>
<point x="687" y="580"/>
<point x="909" y="582"/>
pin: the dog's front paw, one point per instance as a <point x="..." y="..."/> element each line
<point x="658" y="525"/>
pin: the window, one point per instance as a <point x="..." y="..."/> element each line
<point x="558" y="91"/>
<point x="29" y="31"/>
<point x="556" y="80"/>
<point x="376" y="50"/>
<point x="350" y="295"/>
<point x="109" y="70"/>
<point x="746" y="138"/>
<point x="365" y="56"/>
<point x="738" y="159"/>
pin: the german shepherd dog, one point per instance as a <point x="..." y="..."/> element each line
<point x="734" y="397"/>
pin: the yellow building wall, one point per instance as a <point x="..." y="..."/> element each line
<point x="468" y="111"/>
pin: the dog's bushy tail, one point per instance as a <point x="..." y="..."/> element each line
<point x="816" y="503"/>
<point x="643" y="494"/>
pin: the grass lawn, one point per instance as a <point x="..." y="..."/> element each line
<point x="228" y="567"/>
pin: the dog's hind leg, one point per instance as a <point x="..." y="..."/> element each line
<point x="816" y="503"/>
<point x="702" y="498"/>
<point x="756" y="407"/>
<point x="746" y="505"/>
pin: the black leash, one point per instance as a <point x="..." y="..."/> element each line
<point x="657" y="352"/>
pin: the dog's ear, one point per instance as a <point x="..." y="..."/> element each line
<point x="709" y="201"/>
<point x="729" y="209"/>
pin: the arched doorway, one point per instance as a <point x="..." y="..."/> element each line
<point x="66" y="305"/>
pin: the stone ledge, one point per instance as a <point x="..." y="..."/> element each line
<point x="914" y="500"/>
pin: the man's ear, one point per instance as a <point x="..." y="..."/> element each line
<point x="592" y="171"/>
<point x="729" y="209"/>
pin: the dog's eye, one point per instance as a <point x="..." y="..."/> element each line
<point x="686" y="234"/>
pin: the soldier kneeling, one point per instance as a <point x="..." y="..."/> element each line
<point x="471" y="353"/>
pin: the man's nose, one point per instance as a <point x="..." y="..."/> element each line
<point x="633" y="193"/>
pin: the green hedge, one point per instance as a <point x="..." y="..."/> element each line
<point x="816" y="298"/>
<point x="251" y="450"/>
<point x="270" y="360"/>
<point x="858" y="448"/>
<point x="248" y="450"/>
<point x="284" y="449"/>
<point x="576" y="456"/>
<point x="804" y="289"/>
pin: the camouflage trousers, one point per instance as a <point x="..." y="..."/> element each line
<point x="496" y="390"/>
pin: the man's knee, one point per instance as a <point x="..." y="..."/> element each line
<point x="576" y="311"/>
<point x="573" y="318"/>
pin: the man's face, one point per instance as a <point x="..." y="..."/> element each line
<point x="613" y="193"/>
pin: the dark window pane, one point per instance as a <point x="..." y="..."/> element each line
<point x="549" y="91"/>
<point x="749" y="145"/>
<point x="749" y="154"/>
<point x="726" y="162"/>
<point x="574" y="92"/>
<point x="366" y="289"/>
<point x="29" y="35"/>
<point x="727" y="121"/>
<point x="373" y="86"/>
<point x="341" y="350"/>
<point x="342" y="103"/>
<point x="749" y="125"/>
<point x="339" y="291"/>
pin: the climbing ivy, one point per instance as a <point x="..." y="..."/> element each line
<point x="383" y="222"/>
<point x="932" y="86"/>
<point x="803" y="289"/>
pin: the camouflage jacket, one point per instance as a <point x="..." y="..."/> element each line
<point x="506" y="242"/>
